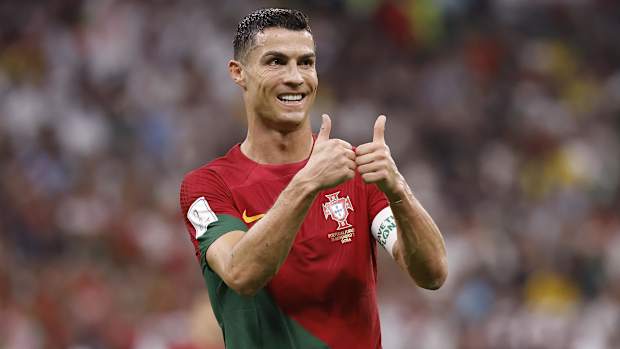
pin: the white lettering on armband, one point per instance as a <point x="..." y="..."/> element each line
<point x="383" y="228"/>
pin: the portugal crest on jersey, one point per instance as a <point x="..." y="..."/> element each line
<point x="338" y="209"/>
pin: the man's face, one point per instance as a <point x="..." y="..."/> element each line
<point x="280" y="77"/>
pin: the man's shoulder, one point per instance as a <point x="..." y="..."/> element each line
<point x="222" y="170"/>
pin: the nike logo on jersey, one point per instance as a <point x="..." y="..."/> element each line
<point x="249" y="219"/>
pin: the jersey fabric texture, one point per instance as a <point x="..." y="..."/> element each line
<point x="324" y="294"/>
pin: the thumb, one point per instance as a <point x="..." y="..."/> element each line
<point x="379" y="130"/>
<point x="326" y="127"/>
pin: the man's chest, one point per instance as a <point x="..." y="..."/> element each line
<point x="337" y="218"/>
<point x="331" y="263"/>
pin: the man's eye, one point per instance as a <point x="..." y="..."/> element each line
<point x="275" y="61"/>
<point x="307" y="62"/>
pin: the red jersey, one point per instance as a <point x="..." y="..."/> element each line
<point x="324" y="295"/>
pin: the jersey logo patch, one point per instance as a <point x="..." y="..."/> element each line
<point x="249" y="219"/>
<point x="338" y="209"/>
<point x="201" y="215"/>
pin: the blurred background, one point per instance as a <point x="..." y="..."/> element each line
<point x="504" y="116"/>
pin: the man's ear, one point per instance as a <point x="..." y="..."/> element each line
<point x="237" y="72"/>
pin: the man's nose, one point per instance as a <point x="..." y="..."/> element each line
<point x="293" y="76"/>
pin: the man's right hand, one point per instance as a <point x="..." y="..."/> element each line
<point x="331" y="162"/>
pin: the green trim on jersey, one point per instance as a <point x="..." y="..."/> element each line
<point x="249" y="322"/>
<point x="224" y="224"/>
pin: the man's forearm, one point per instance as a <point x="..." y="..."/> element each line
<point x="420" y="249"/>
<point x="257" y="257"/>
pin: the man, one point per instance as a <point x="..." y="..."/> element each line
<point x="284" y="224"/>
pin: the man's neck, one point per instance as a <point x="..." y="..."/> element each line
<point x="268" y="146"/>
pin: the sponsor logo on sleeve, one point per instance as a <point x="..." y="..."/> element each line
<point x="201" y="215"/>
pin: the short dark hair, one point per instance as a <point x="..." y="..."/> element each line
<point x="262" y="19"/>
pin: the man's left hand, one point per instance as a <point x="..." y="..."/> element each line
<point x="375" y="163"/>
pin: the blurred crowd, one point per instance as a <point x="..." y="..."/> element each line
<point x="504" y="117"/>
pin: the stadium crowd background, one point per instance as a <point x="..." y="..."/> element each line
<point x="504" y="116"/>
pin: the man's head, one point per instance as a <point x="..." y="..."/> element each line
<point x="274" y="65"/>
<point x="262" y="19"/>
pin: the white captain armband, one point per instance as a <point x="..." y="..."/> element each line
<point x="383" y="228"/>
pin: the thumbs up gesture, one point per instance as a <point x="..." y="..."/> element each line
<point x="375" y="163"/>
<point x="331" y="162"/>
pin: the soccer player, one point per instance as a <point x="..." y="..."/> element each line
<point x="286" y="224"/>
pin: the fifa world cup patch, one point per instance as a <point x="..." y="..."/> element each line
<point x="338" y="209"/>
<point x="201" y="215"/>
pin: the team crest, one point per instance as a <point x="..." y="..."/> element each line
<point x="338" y="209"/>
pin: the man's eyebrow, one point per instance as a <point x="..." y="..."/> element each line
<point x="278" y="54"/>
<point x="274" y="54"/>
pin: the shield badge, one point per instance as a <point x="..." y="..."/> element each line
<point x="338" y="209"/>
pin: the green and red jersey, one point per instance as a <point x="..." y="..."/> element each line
<point x="324" y="294"/>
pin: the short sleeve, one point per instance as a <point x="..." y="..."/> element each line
<point x="208" y="210"/>
<point x="377" y="201"/>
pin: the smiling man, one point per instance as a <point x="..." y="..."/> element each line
<point x="286" y="225"/>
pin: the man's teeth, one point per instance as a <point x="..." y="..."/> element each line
<point x="292" y="98"/>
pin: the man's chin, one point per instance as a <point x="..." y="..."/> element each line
<point x="289" y="121"/>
<point x="294" y="117"/>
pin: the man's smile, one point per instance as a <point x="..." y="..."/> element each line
<point x="291" y="99"/>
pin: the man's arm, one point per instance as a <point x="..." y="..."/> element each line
<point x="247" y="261"/>
<point x="420" y="249"/>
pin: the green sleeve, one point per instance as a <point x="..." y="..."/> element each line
<point x="224" y="224"/>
